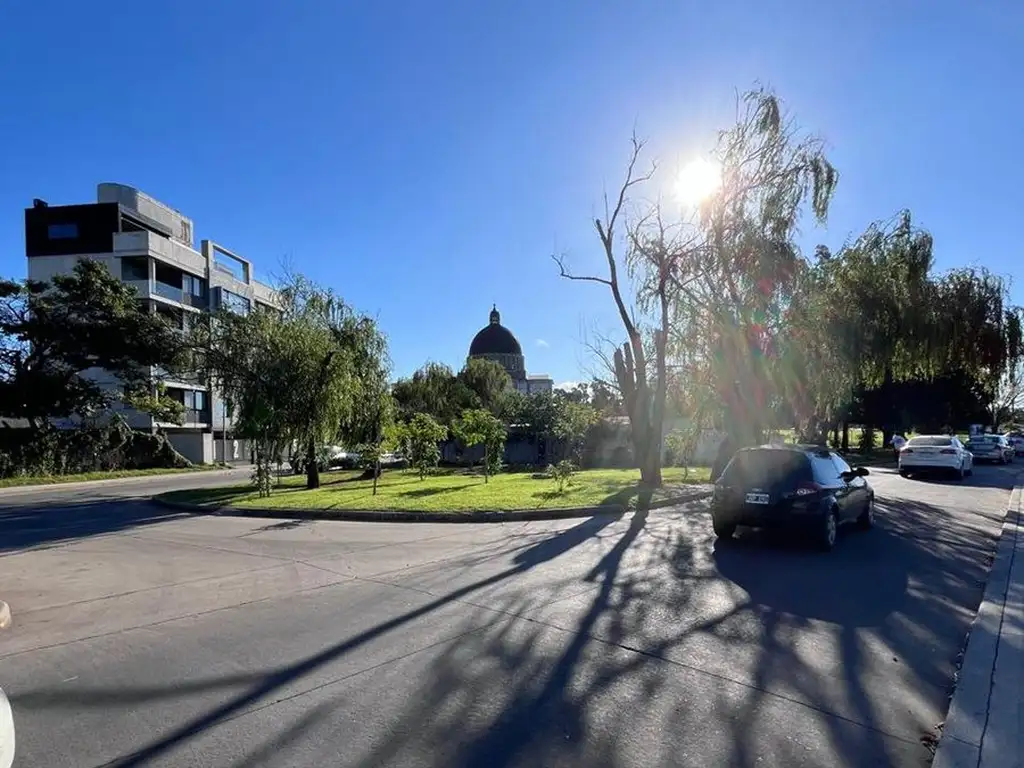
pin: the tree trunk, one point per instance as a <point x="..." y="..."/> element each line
<point x="376" y="474"/>
<point x="846" y="436"/>
<point x="312" y="470"/>
<point x="487" y="463"/>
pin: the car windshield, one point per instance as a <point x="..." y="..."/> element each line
<point x="930" y="440"/>
<point x="985" y="439"/>
<point x="763" y="466"/>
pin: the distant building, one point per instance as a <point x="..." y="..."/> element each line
<point x="150" y="247"/>
<point x="497" y="343"/>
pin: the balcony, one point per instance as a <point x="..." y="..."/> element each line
<point x="196" y="417"/>
<point x="168" y="292"/>
<point x="161" y="248"/>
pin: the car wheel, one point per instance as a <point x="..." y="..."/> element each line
<point x="722" y="529"/>
<point x="829" y="531"/>
<point x="867" y="517"/>
<point x="904" y="473"/>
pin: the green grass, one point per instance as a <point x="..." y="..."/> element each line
<point x="13" y="482"/>
<point x="449" y="491"/>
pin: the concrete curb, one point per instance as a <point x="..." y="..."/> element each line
<point x="391" y="516"/>
<point x="963" y="742"/>
<point x="5" y="615"/>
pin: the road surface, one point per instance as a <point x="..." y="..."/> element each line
<point x="147" y="637"/>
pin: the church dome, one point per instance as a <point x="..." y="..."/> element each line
<point x="494" y="339"/>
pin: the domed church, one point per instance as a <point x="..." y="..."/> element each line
<point x="497" y="343"/>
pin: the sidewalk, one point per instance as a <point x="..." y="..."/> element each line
<point x="985" y="724"/>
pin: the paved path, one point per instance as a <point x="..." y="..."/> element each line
<point x="142" y="637"/>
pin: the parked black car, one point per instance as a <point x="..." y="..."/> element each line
<point x="799" y="487"/>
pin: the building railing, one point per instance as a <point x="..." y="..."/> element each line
<point x="197" y="416"/>
<point x="169" y="291"/>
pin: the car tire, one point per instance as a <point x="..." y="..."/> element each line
<point x="866" y="521"/>
<point x="828" y="531"/>
<point x="722" y="529"/>
<point x="904" y="473"/>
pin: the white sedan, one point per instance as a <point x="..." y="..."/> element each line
<point x="935" y="453"/>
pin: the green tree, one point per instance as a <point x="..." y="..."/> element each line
<point x="55" y="336"/>
<point x="305" y="377"/>
<point x="489" y="381"/>
<point x="422" y="436"/>
<point x="572" y="422"/>
<point x="384" y="437"/>
<point x="477" y="426"/>
<point x="435" y="390"/>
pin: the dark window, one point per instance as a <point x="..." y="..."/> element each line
<point x="931" y="441"/>
<point x="765" y="466"/>
<point x="62" y="231"/>
<point x="134" y="268"/>
<point x="194" y="286"/>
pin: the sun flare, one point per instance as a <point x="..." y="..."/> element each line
<point x="697" y="181"/>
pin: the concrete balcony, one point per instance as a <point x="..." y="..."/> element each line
<point x="169" y="251"/>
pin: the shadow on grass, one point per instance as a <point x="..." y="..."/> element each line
<point x="422" y="493"/>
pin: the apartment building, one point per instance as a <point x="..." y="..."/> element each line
<point x="150" y="246"/>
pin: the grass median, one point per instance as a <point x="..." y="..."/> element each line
<point x="449" y="491"/>
<point x="84" y="477"/>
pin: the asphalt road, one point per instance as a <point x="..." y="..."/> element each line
<point x="144" y="637"/>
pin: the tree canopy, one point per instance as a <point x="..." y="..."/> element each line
<point x="57" y="337"/>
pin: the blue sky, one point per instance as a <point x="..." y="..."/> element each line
<point x="425" y="159"/>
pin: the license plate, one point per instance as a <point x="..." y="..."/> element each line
<point x="757" y="498"/>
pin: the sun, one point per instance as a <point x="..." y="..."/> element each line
<point x="697" y="181"/>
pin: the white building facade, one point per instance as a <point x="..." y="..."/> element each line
<point x="150" y="246"/>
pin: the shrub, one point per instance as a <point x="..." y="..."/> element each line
<point x="562" y="473"/>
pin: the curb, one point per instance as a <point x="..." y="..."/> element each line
<point x="391" y="516"/>
<point x="5" y="615"/>
<point x="967" y="722"/>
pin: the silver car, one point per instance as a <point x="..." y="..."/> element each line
<point x="991" y="448"/>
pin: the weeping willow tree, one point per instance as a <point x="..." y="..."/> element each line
<point x="736" y="276"/>
<point x="710" y="283"/>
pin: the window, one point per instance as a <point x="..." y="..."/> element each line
<point x="933" y="441"/>
<point x="840" y="462"/>
<point x="62" y="231"/>
<point x="193" y="286"/>
<point x="134" y="268"/>
<point x="826" y="471"/>
<point x="234" y="302"/>
<point x="195" y="400"/>
<point x="758" y="467"/>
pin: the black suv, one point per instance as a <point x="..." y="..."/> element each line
<point x="792" y="486"/>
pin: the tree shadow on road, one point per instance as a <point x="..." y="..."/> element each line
<point x="33" y="525"/>
<point x="665" y="648"/>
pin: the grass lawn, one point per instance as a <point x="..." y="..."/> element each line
<point x="449" y="491"/>
<point x="12" y="482"/>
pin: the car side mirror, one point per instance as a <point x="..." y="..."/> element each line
<point x="862" y="471"/>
